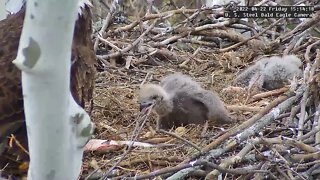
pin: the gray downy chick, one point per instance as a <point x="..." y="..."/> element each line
<point x="179" y="100"/>
<point x="179" y="82"/>
<point x="271" y="73"/>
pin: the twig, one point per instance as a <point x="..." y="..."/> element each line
<point x="14" y="139"/>
<point x="128" y="48"/>
<point x="231" y="160"/>
<point x="158" y="16"/>
<point x="198" y="163"/>
<point x="268" y="94"/>
<point x="253" y="37"/>
<point x="145" y="79"/>
<point x="181" y="139"/>
<point x="302" y="112"/>
<point x="307" y="54"/>
<point x="109" y="43"/>
<point x="141" y="120"/>
<point x="105" y="25"/>
<point x="188" y="31"/>
<point x="138" y="128"/>
<point x="244" y="125"/>
<point x="301" y="27"/>
<point x="243" y="108"/>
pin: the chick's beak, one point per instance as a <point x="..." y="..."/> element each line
<point x="144" y="105"/>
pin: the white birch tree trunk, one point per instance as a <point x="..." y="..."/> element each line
<point x="13" y="6"/>
<point x="3" y="12"/>
<point x="57" y="127"/>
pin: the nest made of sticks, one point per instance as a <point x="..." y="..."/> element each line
<point x="276" y="133"/>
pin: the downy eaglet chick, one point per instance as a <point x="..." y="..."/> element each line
<point x="271" y="73"/>
<point x="179" y="100"/>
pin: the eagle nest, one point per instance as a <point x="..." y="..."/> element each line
<point x="275" y="132"/>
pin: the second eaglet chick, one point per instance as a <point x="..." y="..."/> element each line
<point x="271" y="73"/>
<point x="179" y="100"/>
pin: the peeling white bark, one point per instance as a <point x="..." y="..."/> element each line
<point x="57" y="127"/>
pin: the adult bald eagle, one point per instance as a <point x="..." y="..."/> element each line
<point x="13" y="158"/>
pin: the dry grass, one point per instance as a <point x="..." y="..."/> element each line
<point x="115" y="105"/>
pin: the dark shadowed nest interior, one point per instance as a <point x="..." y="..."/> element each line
<point x="275" y="134"/>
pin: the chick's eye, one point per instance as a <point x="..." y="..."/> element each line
<point x="154" y="97"/>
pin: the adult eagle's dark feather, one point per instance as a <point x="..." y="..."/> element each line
<point x="11" y="101"/>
